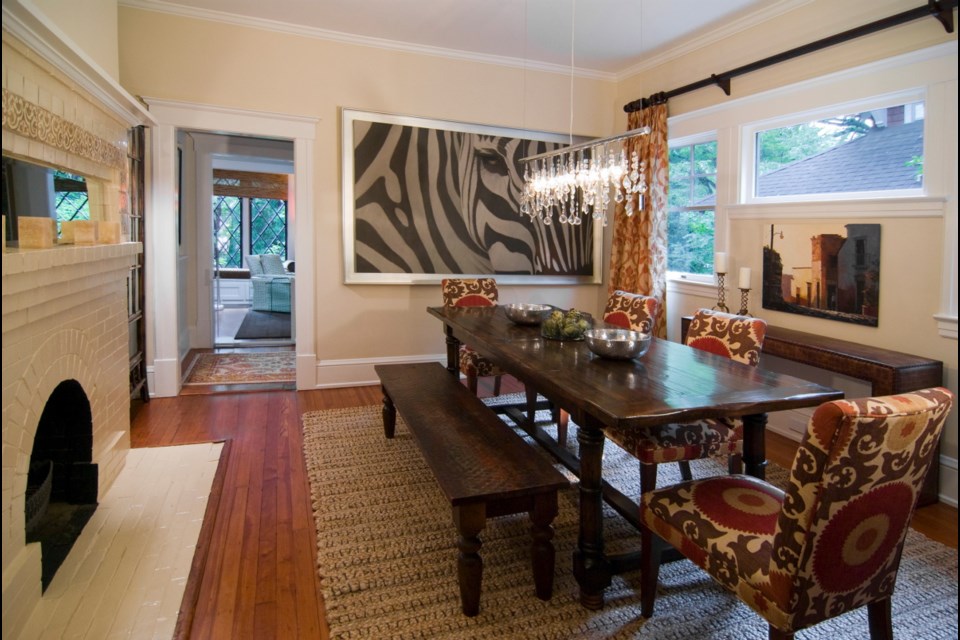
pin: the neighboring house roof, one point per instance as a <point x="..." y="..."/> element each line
<point x="875" y="161"/>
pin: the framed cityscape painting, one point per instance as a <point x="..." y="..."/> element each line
<point x="823" y="270"/>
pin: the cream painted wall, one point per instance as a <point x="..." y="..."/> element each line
<point x="914" y="269"/>
<point x="91" y="24"/>
<point x="177" y="58"/>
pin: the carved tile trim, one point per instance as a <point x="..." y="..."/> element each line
<point x="35" y="122"/>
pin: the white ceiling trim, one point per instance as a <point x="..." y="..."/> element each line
<point x="160" y="6"/>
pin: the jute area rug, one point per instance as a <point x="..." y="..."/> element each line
<point x="387" y="558"/>
<point x="243" y="368"/>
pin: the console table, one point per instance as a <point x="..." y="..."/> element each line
<point x="888" y="372"/>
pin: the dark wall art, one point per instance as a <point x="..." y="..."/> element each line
<point x="428" y="199"/>
<point x="823" y="270"/>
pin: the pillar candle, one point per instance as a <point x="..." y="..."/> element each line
<point x="720" y="262"/>
<point x="744" y="278"/>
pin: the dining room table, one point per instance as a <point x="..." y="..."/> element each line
<point x="670" y="383"/>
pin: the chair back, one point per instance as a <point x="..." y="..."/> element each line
<point x="736" y="337"/>
<point x="631" y="311"/>
<point x="854" y="484"/>
<point x="469" y="292"/>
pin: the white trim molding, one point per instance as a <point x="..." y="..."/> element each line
<point x="162" y="316"/>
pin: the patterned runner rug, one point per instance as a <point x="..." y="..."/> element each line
<point x="387" y="557"/>
<point x="243" y="368"/>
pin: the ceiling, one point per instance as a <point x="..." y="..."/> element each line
<point x="610" y="37"/>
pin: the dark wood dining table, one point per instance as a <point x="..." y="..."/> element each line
<point x="670" y="383"/>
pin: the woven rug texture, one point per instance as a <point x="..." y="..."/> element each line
<point x="241" y="368"/>
<point x="386" y="547"/>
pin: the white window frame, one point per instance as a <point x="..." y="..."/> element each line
<point x="681" y="277"/>
<point x="748" y="139"/>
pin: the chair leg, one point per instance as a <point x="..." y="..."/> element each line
<point x="472" y="383"/>
<point x="685" y="470"/>
<point x="496" y="385"/>
<point x="880" y="618"/>
<point x="563" y="419"/>
<point x="651" y="547"/>
<point x="735" y="464"/>
<point x="648" y="477"/>
<point x="776" y="634"/>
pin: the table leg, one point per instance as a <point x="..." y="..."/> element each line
<point x="590" y="566"/>
<point x="754" y="447"/>
<point x="453" y="351"/>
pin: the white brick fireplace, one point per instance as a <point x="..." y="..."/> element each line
<point x="65" y="309"/>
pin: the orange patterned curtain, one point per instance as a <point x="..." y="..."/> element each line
<point x="638" y="258"/>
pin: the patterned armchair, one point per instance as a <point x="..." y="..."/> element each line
<point x="832" y="542"/>
<point x="628" y="311"/>
<point x="739" y="338"/>
<point x="479" y="292"/>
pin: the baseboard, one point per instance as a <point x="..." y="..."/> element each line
<point x="358" y="372"/>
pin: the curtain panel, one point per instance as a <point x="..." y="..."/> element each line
<point x="638" y="257"/>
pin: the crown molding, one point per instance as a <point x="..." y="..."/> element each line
<point x="24" y="21"/>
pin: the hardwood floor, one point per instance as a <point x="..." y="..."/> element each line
<point x="258" y="578"/>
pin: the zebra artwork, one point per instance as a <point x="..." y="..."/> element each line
<point x="433" y="201"/>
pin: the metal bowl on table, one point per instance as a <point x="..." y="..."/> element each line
<point x="617" y="344"/>
<point x="526" y="313"/>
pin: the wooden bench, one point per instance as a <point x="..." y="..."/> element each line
<point x="483" y="467"/>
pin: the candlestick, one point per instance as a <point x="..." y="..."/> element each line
<point x="721" y="293"/>
<point x="744" y="301"/>
<point x="720" y="264"/>
<point x="744" y="282"/>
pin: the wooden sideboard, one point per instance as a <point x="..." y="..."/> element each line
<point x="886" y="371"/>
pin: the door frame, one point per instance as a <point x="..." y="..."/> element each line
<point x="164" y="354"/>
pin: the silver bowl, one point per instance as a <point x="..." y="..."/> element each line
<point x="617" y="344"/>
<point x="526" y="313"/>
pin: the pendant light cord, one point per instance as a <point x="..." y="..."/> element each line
<point x="573" y="23"/>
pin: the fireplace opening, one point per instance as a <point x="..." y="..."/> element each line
<point x="62" y="480"/>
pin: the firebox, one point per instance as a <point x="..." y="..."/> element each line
<point x="62" y="480"/>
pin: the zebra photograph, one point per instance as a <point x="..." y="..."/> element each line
<point x="427" y="202"/>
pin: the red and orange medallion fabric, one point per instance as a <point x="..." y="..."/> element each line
<point x="736" y="337"/>
<point x="469" y="292"/>
<point x="631" y="311"/>
<point x="472" y="292"/>
<point x="832" y="541"/>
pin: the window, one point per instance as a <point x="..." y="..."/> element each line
<point x="691" y="208"/>
<point x="263" y="221"/>
<point x="864" y="153"/>
<point x="249" y="216"/>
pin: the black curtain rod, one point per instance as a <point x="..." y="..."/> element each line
<point x="941" y="10"/>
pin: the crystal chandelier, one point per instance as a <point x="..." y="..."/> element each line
<point x="579" y="181"/>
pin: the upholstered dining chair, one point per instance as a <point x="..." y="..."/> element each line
<point x="828" y="545"/>
<point x="739" y="338"/>
<point x="473" y="292"/>
<point x="625" y="310"/>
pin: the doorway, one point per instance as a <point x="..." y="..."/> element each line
<point x="174" y="313"/>
<point x="238" y="191"/>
